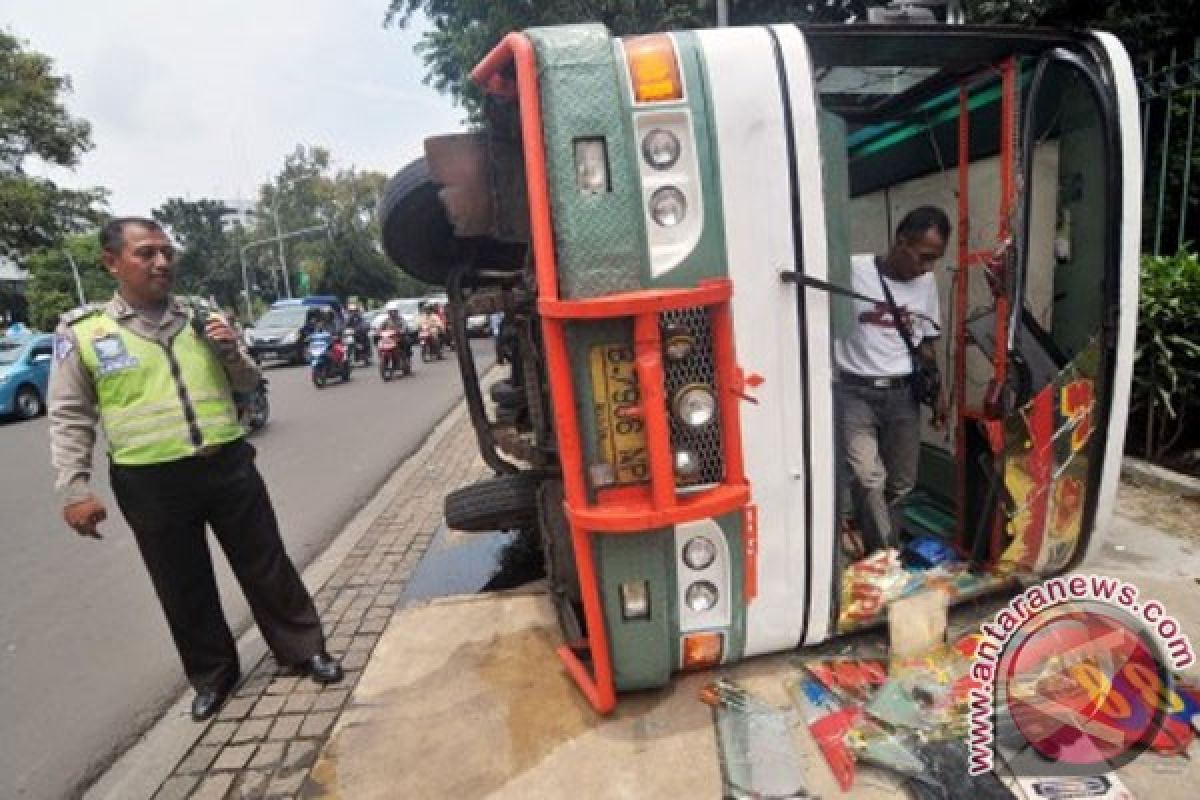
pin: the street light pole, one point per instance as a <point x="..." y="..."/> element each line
<point x="287" y="284"/>
<point x="75" y="272"/>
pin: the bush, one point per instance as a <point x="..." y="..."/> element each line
<point x="1166" y="372"/>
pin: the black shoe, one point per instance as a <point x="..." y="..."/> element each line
<point x="322" y="668"/>
<point x="209" y="700"/>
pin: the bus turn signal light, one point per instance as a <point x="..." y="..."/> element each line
<point x="653" y="68"/>
<point x="701" y="650"/>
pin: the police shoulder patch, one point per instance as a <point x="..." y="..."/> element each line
<point x="82" y="312"/>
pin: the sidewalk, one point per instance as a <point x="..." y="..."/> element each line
<point x="264" y="742"/>
<point x="434" y="706"/>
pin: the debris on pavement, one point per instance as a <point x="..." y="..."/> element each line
<point x="759" y="758"/>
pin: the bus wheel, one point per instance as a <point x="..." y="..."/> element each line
<point x="506" y="502"/>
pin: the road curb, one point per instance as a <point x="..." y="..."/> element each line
<point x="142" y="769"/>
<point x="1143" y="473"/>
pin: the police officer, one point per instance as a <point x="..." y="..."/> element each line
<point x="160" y="383"/>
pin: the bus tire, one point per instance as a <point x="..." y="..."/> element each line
<point x="415" y="231"/>
<point x="418" y="236"/>
<point x="507" y="502"/>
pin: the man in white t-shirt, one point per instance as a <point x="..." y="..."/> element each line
<point x="879" y="418"/>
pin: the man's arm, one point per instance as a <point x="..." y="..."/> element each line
<point x="73" y="415"/>
<point x="244" y="373"/>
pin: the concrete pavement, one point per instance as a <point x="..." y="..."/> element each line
<point x="463" y="697"/>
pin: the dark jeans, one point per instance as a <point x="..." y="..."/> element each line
<point x="880" y="437"/>
<point x="168" y="506"/>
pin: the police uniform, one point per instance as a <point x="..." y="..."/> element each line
<point x="178" y="462"/>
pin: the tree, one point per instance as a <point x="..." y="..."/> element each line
<point x="207" y="265"/>
<point x="36" y="212"/>
<point x="345" y="259"/>
<point x="51" y="289"/>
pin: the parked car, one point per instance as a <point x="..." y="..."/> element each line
<point x="24" y="373"/>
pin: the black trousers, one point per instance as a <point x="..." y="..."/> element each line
<point x="168" y="506"/>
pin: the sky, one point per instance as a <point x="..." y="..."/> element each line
<point x="206" y="98"/>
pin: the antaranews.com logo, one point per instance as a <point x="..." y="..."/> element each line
<point x="1074" y="677"/>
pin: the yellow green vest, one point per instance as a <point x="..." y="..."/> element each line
<point x="157" y="405"/>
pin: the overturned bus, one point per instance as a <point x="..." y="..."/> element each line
<point x="664" y="222"/>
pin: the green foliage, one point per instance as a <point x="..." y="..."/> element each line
<point x="1142" y="25"/>
<point x="36" y="212"/>
<point x="1166" y="378"/>
<point x="207" y="265"/>
<point x="51" y="288"/>
<point x="344" y="258"/>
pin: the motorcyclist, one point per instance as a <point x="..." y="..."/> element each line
<point x="429" y="319"/>
<point x="357" y="323"/>
<point x="394" y="321"/>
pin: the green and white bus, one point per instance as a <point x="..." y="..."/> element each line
<point x="665" y="220"/>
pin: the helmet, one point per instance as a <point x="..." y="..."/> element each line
<point x="392" y="305"/>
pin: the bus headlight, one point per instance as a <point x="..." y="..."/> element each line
<point x="660" y="148"/>
<point x="699" y="552"/>
<point x="668" y="206"/>
<point x="687" y="464"/>
<point x="678" y="343"/>
<point x="695" y="405"/>
<point x="701" y="596"/>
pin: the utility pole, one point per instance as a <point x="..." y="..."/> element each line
<point x="722" y="13"/>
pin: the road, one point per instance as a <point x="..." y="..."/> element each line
<point x="86" y="661"/>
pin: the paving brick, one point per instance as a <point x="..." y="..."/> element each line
<point x="252" y="730"/>
<point x="299" y="757"/>
<point x="346" y="629"/>
<point x="250" y="785"/>
<point x="365" y="641"/>
<point x="214" y="787"/>
<point x="285" y="727"/>
<point x="285" y="786"/>
<point x="177" y="788"/>
<point x="254" y="685"/>
<point x="355" y="659"/>
<point x="268" y="755"/>
<point x="234" y="757"/>
<point x="199" y="759"/>
<point x="331" y="700"/>
<point x="237" y="708"/>
<point x="375" y="625"/>
<point x="318" y="724"/>
<point x="376" y="612"/>
<point x="283" y="684"/>
<point x="219" y="733"/>
<point x="299" y="703"/>
<point x="338" y="644"/>
<point x="268" y="705"/>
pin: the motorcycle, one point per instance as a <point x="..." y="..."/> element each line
<point x="362" y="347"/>
<point x="431" y="344"/>
<point x="394" y="353"/>
<point x="253" y="407"/>
<point x="328" y="357"/>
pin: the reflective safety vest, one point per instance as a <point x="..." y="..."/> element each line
<point x="158" y="403"/>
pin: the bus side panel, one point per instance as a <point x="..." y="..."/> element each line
<point x="814" y="154"/>
<point x="752" y="153"/>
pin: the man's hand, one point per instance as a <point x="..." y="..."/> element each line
<point x="84" y="515"/>
<point x="217" y="329"/>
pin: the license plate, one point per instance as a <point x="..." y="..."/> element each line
<point x="615" y="403"/>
